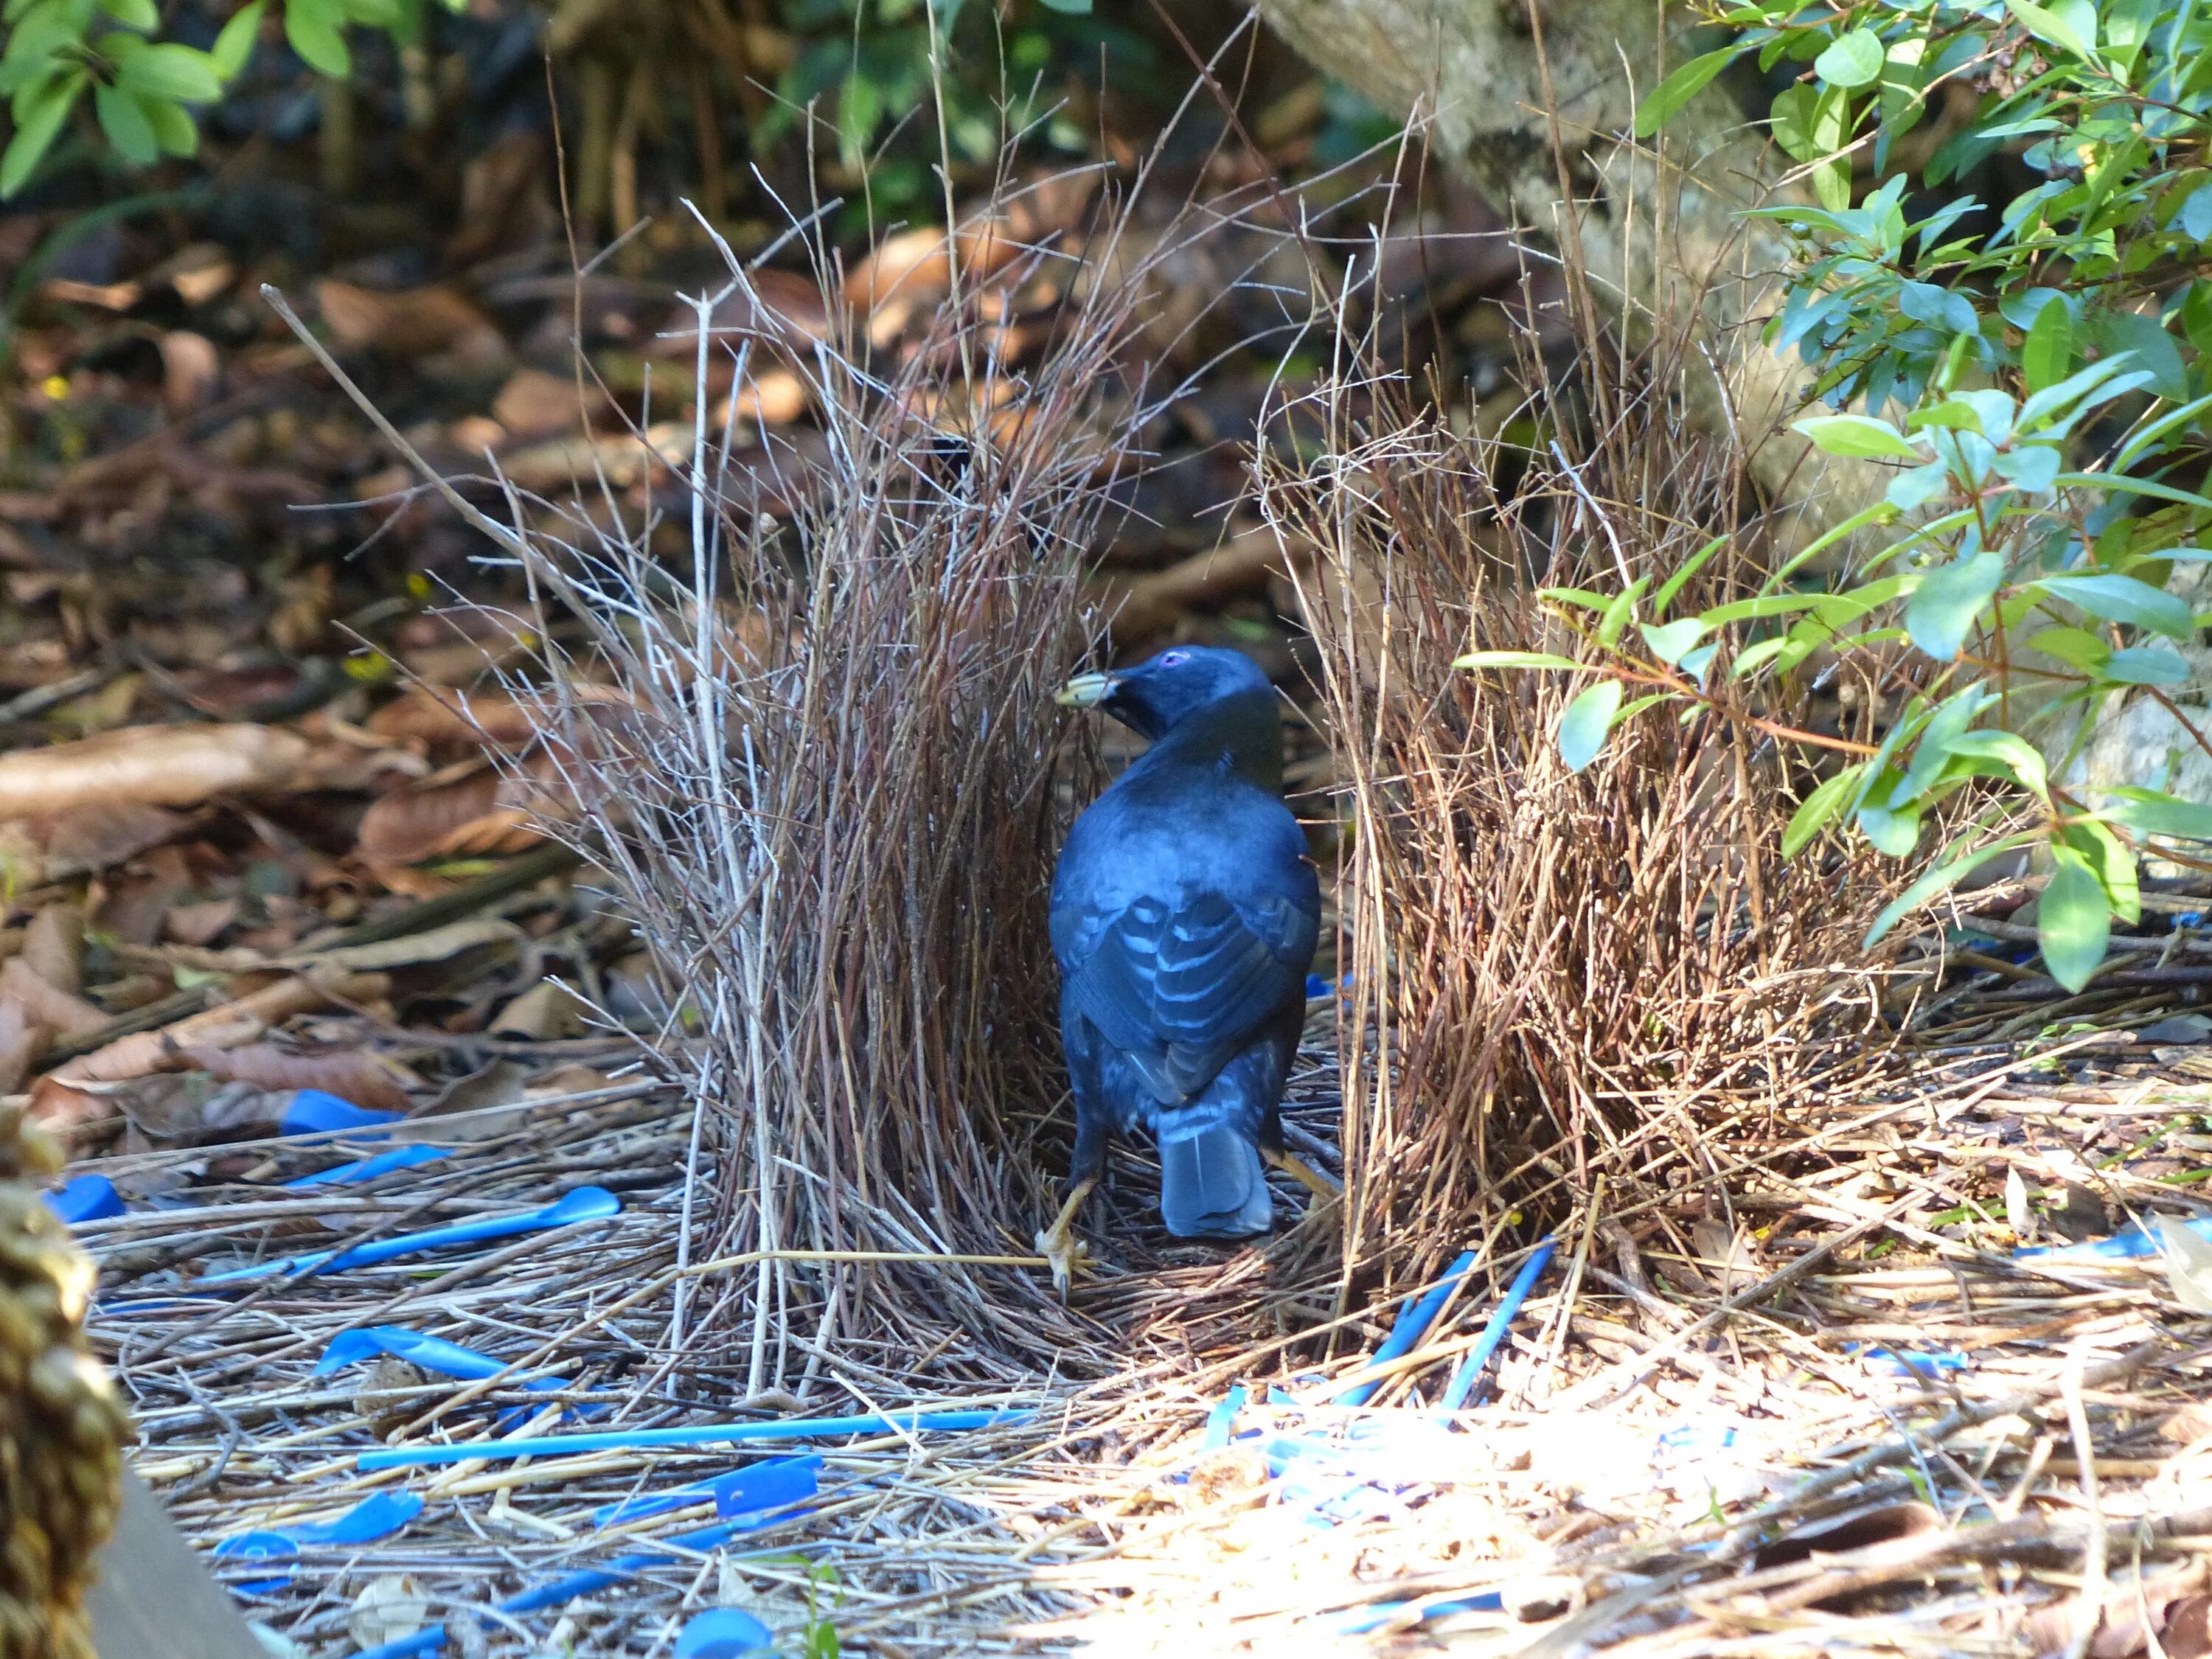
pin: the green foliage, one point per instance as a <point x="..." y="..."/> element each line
<point x="865" y="65"/>
<point x="143" y="91"/>
<point x="2052" y="360"/>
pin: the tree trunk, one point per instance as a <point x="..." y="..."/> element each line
<point x="1533" y="102"/>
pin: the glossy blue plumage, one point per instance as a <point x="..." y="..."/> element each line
<point x="1184" y="914"/>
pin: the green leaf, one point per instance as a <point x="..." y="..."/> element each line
<point x="1515" y="660"/>
<point x="1665" y="99"/>
<point x="1939" y="880"/>
<point x="134" y="14"/>
<point x="2073" y="918"/>
<point x="2048" y="352"/>
<point x="1767" y="605"/>
<point x="168" y="70"/>
<point x="126" y="126"/>
<point x="1618" y="613"/>
<point x="2124" y="599"/>
<point x="2155" y="813"/>
<point x="1579" y="597"/>
<point x="1586" y="720"/>
<point x="234" y="47"/>
<point x="2114" y="864"/>
<point x="172" y="124"/>
<point x="1858" y="436"/>
<point x="2075" y="647"/>
<point x="2147" y="665"/>
<point x="1896" y="832"/>
<point x="2019" y="756"/>
<point x="1674" y="583"/>
<point x="38" y="118"/>
<point x="316" y="30"/>
<point x="1671" y="641"/>
<point x="1942" y="613"/>
<point x="2069" y="25"/>
<point x="1853" y="60"/>
<point x="1819" y="809"/>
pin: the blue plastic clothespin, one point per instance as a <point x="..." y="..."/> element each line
<point x="376" y="1516"/>
<point x="778" y="1484"/>
<point x="88" y="1198"/>
<point x="312" y="1111"/>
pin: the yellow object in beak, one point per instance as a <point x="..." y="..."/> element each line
<point x="1086" y="691"/>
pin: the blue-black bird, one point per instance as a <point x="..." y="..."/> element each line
<point x="1184" y="912"/>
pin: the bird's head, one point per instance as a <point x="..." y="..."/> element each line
<point x="1157" y="694"/>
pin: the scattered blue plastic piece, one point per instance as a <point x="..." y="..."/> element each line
<point x="1221" y="1421"/>
<point x="585" y="1204"/>
<point x="2131" y="1244"/>
<point x="775" y="1484"/>
<point x="1903" y="1363"/>
<point x="367" y="1169"/>
<point x="693" y="1434"/>
<point x="1470" y="1369"/>
<point x="724" y="1633"/>
<point x="311" y="1111"/>
<point x="1692" y="1443"/>
<point x="431" y="1637"/>
<point x="432" y="1353"/>
<point x="1412" y="1324"/>
<point x="88" y="1198"/>
<point x="376" y="1516"/>
<point x="1361" y="1620"/>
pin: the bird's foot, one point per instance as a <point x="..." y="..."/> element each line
<point x="1059" y="1246"/>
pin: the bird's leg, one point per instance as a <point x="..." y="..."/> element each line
<point x="1058" y="1243"/>
<point x="1324" y="1189"/>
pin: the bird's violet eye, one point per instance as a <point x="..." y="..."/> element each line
<point x="1174" y="659"/>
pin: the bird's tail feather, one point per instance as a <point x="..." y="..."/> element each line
<point x="1212" y="1185"/>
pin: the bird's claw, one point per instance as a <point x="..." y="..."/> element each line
<point x="1064" y="1250"/>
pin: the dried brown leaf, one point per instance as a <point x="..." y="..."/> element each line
<point x="198" y="924"/>
<point x="53" y="947"/>
<point x="481" y="813"/>
<point x="353" y="1073"/>
<point x="408" y="323"/>
<point x="163" y="765"/>
<point x="49" y="1005"/>
<point x="536" y="404"/>
<point x="20" y="1039"/>
<point x="461" y="721"/>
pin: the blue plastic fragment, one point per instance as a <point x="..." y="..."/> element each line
<point x="724" y="1633"/>
<point x="1905" y="1363"/>
<point x="2132" y="1242"/>
<point x="367" y="1169"/>
<point x="431" y="1637"/>
<point x="585" y="1204"/>
<point x="432" y="1353"/>
<point x="1221" y="1421"/>
<point x="775" y="1484"/>
<point x="376" y="1516"/>
<point x="1362" y="1620"/>
<point x="88" y="1198"/>
<point x="1412" y="1324"/>
<point x="311" y="1111"/>
<point x="1470" y="1369"/>
<point x="692" y="1434"/>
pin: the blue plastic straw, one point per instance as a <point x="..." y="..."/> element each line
<point x="431" y="1637"/>
<point x="367" y="1169"/>
<point x="695" y="1434"/>
<point x="585" y="1204"/>
<point x="1413" y="1323"/>
<point x="1470" y="1369"/>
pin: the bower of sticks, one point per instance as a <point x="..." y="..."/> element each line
<point x="608" y="1201"/>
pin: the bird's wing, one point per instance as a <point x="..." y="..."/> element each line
<point x="1180" y="989"/>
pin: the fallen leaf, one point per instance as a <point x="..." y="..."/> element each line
<point x="390" y="1607"/>
<point x="351" y="1073"/>
<point x="433" y="945"/>
<point x="53" y="947"/>
<point x="536" y="404"/>
<point x="775" y="397"/>
<point x="547" y="1011"/>
<point x="164" y="765"/>
<point x="20" y="1039"/>
<point x="443" y="718"/>
<point x="408" y="323"/>
<point x="503" y="1084"/>
<point x="48" y="1005"/>
<point x="479" y="812"/>
<point x="190" y="370"/>
<point x="198" y="924"/>
<point x="2189" y="1629"/>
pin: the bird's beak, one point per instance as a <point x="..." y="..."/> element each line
<point x="1087" y="690"/>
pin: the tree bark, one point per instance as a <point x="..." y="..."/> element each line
<point x="1534" y="103"/>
